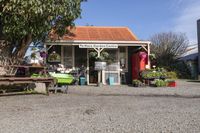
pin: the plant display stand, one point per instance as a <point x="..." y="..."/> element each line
<point x="62" y="81"/>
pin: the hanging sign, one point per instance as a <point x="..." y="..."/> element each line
<point x="98" y="46"/>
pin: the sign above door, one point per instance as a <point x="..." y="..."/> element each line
<point x="98" y="46"/>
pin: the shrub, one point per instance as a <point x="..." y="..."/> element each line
<point x="182" y="70"/>
<point x="171" y="75"/>
<point x="152" y="74"/>
<point x="136" y="83"/>
<point x="160" y="83"/>
<point x="161" y="69"/>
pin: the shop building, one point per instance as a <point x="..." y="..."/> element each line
<point x="128" y="54"/>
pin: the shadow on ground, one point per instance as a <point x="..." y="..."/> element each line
<point x="154" y="95"/>
<point x="194" y="81"/>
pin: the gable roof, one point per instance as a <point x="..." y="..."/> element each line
<point x="191" y="53"/>
<point x="94" y="33"/>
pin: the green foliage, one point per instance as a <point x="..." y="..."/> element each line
<point x="103" y="57"/>
<point x="54" y="57"/>
<point x="168" y="47"/>
<point x="170" y="80"/>
<point x="150" y="74"/>
<point x="160" y="83"/>
<point x="152" y="57"/>
<point x="137" y="83"/>
<point x="33" y="55"/>
<point x="181" y="69"/>
<point x="37" y="17"/>
<point x="161" y="69"/>
<point x="171" y="75"/>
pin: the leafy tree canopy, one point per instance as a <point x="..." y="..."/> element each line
<point x="25" y="21"/>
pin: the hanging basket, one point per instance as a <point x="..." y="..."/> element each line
<point x="54" y="57"/>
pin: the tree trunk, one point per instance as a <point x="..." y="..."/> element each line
<point x="25" y="42"/>
<point x="8" y="58"/>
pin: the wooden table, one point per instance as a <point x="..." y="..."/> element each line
<point x="29" y="69"/>
<point x="27" y="80"/>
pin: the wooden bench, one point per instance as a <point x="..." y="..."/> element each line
<point x="27" y="80"/>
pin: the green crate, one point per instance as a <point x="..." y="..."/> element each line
<point x="63" y="78"/>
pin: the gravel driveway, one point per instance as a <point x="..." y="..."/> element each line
<point x="114" y="109"/>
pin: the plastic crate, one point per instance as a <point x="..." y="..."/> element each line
<point x="111" y="81"/>
<point x="82" y="80"/>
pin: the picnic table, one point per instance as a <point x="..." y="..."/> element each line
<point x="27" y="69"/>
<point x="23" y="76"/>
<point x="27" y="80"/>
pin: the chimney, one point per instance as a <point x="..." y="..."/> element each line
<point x="198" y="36"/>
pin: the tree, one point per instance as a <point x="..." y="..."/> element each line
<point x="168" y="47"/>
<point x="26" y="21"/>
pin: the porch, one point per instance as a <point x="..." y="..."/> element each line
<point x="75" y="58"/>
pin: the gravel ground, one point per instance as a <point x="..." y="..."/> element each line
<point x="114" y="109"/>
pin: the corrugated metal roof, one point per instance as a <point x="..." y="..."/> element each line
<point x="94" y="33"/>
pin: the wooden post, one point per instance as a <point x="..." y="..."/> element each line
<point x="148" y="53"/>
<point x="98" y="50"/>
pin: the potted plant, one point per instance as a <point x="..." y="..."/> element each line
<point x="136" y="83"/>
<point x="54" y="57"/>
<point x="171" y="83"/>
<point x="102" y="58"/>
<point x="34" y="60"/>
<point x="100" y="62"/>
<point x="160" y="83"/>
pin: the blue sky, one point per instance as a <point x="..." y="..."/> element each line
<point x="144" y="17"/>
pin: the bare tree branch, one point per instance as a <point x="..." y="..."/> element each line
<point x="168" y="47"/>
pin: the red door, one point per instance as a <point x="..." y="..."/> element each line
<point x="135" y="66"/>
<point x="139" y="61"/>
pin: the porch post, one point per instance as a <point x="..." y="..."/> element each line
<point x="148" y="52"/>
<point x="98" y="50"/>
<point x="99" y="72"/>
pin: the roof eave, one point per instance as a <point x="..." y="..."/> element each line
<point x="97" y="42"/>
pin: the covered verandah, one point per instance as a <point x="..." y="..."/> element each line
<point x="75" y="55"/>
<point x="119" y="42"/>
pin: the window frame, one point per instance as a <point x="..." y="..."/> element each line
<point x="126" y="52"/>
<point x="62" y="54"/>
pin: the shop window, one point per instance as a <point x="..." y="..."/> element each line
<point x="123" y="57"/>
<point x="113" y="55"/>
<point x="67" y="56"/>
<point x="80" y="57"/>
